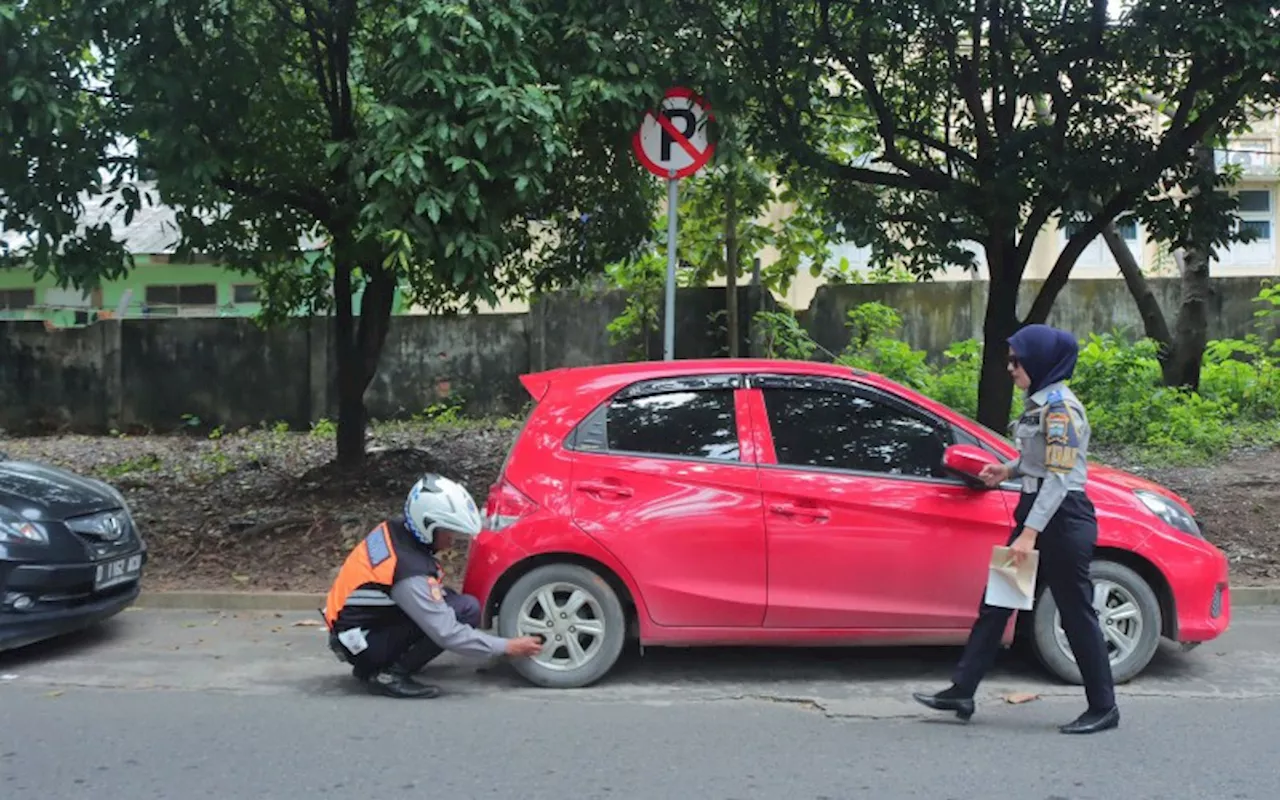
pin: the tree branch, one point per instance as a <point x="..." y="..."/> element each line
<point x="1153" y="319"/>
<point x="310" y="202"/>
<point x="1057" y="279"/>
<point x="1039" y="217"/>
<point x="859" y="65"/>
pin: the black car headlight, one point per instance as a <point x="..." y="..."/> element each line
<point x="17" y="529"/>
<point x="1173" y="514"/>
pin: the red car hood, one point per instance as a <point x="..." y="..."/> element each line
<point x="1123" y="481"/>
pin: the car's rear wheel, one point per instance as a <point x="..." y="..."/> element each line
<point x="1128" y="612"/>
<point x="580" y="618"/>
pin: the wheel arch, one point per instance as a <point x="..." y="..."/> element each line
<point x="1150" y="573"/>
<point x="1145" y="569"/>
<point x="630" y="606"/>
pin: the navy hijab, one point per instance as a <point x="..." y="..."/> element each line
<point x="1047" y="354"/>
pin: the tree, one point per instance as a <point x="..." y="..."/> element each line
<point x="466" y="151"/>
<point x="722" y="226"/>
<point x="936" y="122"/>
<point x="1194" y="224"/>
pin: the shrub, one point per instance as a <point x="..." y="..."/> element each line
<point x="1120" y="382"/>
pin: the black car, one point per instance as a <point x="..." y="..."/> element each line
<point x="70" y="555"/>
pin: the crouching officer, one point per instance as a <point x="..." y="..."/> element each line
<point x="387" y="612"/>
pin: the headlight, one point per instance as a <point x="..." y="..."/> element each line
<point x="14" y="529"/>
<point x="1173" y="514"/>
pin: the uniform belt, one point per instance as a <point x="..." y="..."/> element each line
<point x="1030" y="484"/>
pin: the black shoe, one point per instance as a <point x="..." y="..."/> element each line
<point x="1093" y="721"/>
<point x="395" y="684"/>
<point x="948" y="700"/>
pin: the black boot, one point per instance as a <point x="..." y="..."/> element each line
<point x="949" y="699"/>
<point x="395" y="683"/>
<point x="1093" y="721"/>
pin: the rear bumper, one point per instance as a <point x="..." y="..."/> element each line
<point x="64" y="600"/>
<point x="490" y="556"/>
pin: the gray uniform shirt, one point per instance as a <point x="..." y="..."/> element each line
<point x="1053" y="444"/>
<point x="420" y="599"/>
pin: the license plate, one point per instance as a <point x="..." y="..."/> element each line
<point x="121" y="570"/>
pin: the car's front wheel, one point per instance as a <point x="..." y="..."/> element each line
<point x="1128" y="612"/>
<point x="579" y="617"/>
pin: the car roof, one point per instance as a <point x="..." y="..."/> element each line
<point x="537" y="383"/>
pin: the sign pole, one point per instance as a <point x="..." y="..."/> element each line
<point x="671" y="145"/>
<point x="669" y="332"/>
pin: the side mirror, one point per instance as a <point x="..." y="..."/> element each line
<point x="966" y="462"/>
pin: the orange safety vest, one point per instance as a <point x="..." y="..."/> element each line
<point x="363" y="585"/>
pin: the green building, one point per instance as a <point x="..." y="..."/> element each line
<point x="157" y="286"/>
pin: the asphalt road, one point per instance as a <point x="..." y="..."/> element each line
<point x="187" y="705"/>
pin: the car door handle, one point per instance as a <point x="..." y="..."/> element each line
<point x="604" y="487"/>
<point x="790" y="510"/>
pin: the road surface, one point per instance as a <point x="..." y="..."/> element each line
<point x="185" y="704"/>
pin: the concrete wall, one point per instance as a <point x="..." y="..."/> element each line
<point x="935" y="315"/>
<point x="149" y="374"/>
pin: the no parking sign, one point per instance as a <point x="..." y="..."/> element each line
<point x="673" y="143"/>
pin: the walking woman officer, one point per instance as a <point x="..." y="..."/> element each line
<point x="1055" y="517"/>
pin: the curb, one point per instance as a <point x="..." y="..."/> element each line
<point x="232" y="601"/>
<point x="1241" y="597"/>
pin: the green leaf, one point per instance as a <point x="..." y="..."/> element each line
<point x="481" y="138"/>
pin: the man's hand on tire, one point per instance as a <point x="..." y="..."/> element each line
<point x="524" y="646"/>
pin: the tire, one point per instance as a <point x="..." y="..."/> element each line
<point x="599" y="608"/>
<point x="1124" y="587"/>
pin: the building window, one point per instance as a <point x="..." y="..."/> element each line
<point x="1256" y="215"/>
<point x="197" y="294"/>
<point x="244" y="293"/>
<point x="1097" y="254"/>
<point x="1128" y="229"/>
<point x="17" y="299"/>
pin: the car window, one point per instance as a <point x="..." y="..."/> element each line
<point x="699" y="424"/>
<point x="842" y="430"/>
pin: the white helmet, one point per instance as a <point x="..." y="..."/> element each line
<point x="437" y="502"/>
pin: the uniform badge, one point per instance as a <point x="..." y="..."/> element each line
<point x="437" y="593"/>
<point x="1058" y="427"/>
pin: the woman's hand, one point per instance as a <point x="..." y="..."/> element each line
<point x="1024" y="545"/>
<point x="995" y="474"/>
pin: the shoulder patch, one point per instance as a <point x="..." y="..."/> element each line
<point x="1058" y="426"/>
<point x="1054" y="397"/>
<point x="437" y="593"/>
<point x="1062" y="442"/>
<point x="378" y="547"/>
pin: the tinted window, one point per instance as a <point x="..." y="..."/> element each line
<point x="692" y="424"/>
<point x="838" y="430"/>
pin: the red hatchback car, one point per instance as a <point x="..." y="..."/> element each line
<point x="764" y="502"/>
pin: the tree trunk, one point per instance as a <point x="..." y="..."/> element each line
<point x="358" y="346"/>
<point x="1153" y="320"/>
<point x="731" y="267"/>
<point x="995" y="386"/>
<point x="1182" y="350"/>
<point x="1191" y="334"/>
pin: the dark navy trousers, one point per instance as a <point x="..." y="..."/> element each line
<point x="403" y="645"/>
<point x="1066" y="550"/>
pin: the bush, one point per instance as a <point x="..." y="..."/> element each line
<point x="1120" y="382"/>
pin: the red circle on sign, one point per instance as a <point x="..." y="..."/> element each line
<point x="699" y="161"/>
